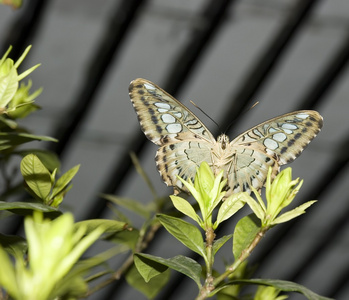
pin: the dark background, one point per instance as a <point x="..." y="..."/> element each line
<point x="223" y="55"/>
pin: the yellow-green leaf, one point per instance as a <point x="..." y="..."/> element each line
<point x="37" y="177"/>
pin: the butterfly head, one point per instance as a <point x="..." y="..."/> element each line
<point x="223" y="140"/>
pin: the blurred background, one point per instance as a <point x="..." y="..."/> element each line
<point x="224" y="55"/>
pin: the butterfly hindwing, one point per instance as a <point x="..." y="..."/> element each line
<point x="181" y="159"/>
<point x="163" y="119"/>
<point x="249" y="168"/>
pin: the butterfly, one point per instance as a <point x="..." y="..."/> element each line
<point x="185" y="142"/>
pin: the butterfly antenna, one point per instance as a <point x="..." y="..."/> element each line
<point x="244" y="112"/>
<point x="206" y="115"/>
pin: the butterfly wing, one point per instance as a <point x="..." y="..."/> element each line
<point x="275" y="142"/>
<point x="185" y="141"/>
<point x="182" y="159"/>
<point x="163" y="119"/>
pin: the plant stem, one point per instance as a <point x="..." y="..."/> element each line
<point x="212" y="284"/>
<point x="243" y="256"/>
<point x="210" y="235"/>
<point x="208" y="286"/>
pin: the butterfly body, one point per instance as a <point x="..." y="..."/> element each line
<point x="185" y="142"/>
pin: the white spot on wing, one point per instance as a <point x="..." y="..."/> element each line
<point x="177" y="114"/>
<point x="270" y="144"/>
<point x="149" y="86"/>
<point x="287" y="131"/>
<point x="162" y="110"/>
<point x="162" y="105"/>
<point x="191" y="122"/>
<point x="174" y="128"/>
<point x="257" y="132"/>
<point x="167" y="118"/>
<point x="279" y="137"/>
<point x="302" y="116"/>
<point x="289" y="126"/>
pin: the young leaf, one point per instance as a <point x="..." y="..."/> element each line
<point x="48" y="158"/>
<point x="180" y="263"/>
<point x="294" y="213"/>
<point x="149" y="289"/>
<point x="37" y="177"/>
<point x="230" y="206"/>
<point x="8" y="83"/>
<point x="185" y="208"/>
<point x="8" y="276"/>
<point x="185" y="232"/>
<point x="220" y="242"/>
<point x="245" y="231"/>
<point x="109" y="226"/>
<point x="64" y="180"/>
<point x="13" y="244"/>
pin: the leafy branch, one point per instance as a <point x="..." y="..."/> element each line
<point x="208" y="191"/>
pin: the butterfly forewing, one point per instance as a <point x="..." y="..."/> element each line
<point x="186" y="142"/>
<point x="284" y="137"/>
<point x="164" y="119"/>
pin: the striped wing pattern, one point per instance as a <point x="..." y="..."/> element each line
<point x="185" y="142"/>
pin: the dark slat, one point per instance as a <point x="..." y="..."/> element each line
<point x="117" y="28"/>
<point x="268" y="60"/>
<point x="212" y="15"/>
<point x="22" y="31"/>
<point x="324" y="82"/>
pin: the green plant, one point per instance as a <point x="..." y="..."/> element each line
<point x="48" y="264"/>
<point x="209" y="193"/>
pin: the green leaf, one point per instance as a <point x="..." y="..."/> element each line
<point x="26" y="208"/>
<point x="180" y="263"/>
<point x="64" y="180"/>
<point x="245" y="231"/>
<point x="12" y="139"/>
<point x="149" y="289"/>
<point x="13" y="244"/>
<point x="8" y="83"/>
<point x="48" y="158"/>
<point x="185" y="232"/>
<point x="220" y="242"/>
<point x="4" y="122"/>
<point x="148" y="268"/>
<point x="185" y="208"/>
<point x="230" y="206"/>
<point x="286" y="286"/>
<point x="258" y="208"/>
<point x="8" y="278"/>
<point x="294" y="213"/>
<point x="129" y="204"/>
<point x="125" y="237"/>
<point x="110" y="226"/>
<point x="37" y="177"/>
